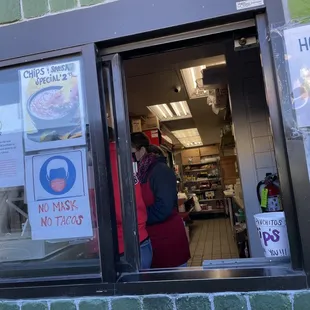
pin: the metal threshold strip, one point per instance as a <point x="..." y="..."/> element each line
<point x="260" y="262"/>
<point x="179" y="37"/>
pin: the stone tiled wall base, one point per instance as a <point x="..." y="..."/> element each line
<point x="299" y="300"/>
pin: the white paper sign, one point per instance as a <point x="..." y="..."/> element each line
<point x="57" y="195"/>
<point x="11" y="147"/>
<point x="297" y="42"/>
<point x="272" y="231"/>
<point x="247" y="4"/>
<point x="53" y="106"/>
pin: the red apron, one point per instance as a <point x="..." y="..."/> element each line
<point x="169" y="240"/>
<point x="141" y="209"/>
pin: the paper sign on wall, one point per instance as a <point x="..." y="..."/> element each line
<point x="53" y="106"/>
<point x="57" y="195"/>
<point x="11" y="147"/>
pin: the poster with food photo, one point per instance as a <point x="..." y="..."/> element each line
<point x="53" y="106"/>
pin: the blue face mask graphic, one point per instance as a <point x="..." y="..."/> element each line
<point x="57" y="175"/>
<point x="57" y="179"/>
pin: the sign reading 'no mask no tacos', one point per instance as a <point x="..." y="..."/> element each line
<point x="57" y="195"/>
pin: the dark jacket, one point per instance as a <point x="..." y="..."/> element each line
<point x="162" y="181"/>
<point x="164" y="225"/>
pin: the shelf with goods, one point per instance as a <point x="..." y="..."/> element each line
<point x="201" y="175"/>
<point x="213" y="211"/>
<point x="211" y="199"/>
<point x="206" y="172"/>
<point x="208" y="200"/>
<point x="205" y="188"/>
<point x="216" y="204"/>
<point x="195" y="170"/>
<point x="201" y="181"/>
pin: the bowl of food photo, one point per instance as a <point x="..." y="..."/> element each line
<point x="51" y="107"/>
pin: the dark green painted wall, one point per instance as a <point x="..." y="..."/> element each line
<point x="17" y="10"/>
<point x="299" y="9"/>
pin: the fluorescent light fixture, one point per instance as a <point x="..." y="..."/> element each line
<point x="168" y="110"/>
<point x="192" y="77"/>
<point x="190" y="143"/>
<point x="188" y="137"/>
<point x="168" y="139"/>
<point x="164" y="112"/>
<point x="161" y="111"/>
<point x="181" y="109"/>
<point x="186" y="133"/>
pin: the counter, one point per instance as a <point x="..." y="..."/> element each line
<point x="238" y="201"/>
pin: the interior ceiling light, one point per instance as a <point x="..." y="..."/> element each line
<point x="168" y="139"/>
<point x="164" y="112"/>
<point x="192" y="77"/>
<point x="181" y="109"/>
<point x="188" y="137"/>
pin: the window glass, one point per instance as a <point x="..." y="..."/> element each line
<point x="47" y="199"/>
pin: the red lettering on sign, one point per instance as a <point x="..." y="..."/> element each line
<point x="63" y="220"/>
<point x="68" y="205"/>
<point x="43" y="208"/>
<point x="46" y="221"/>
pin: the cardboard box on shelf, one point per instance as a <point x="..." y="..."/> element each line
<point x="228" y="169"/>
<point x="191" y="160"/>
<point x="136" y="125"/>
<point x="191" y="153"/>
<point x="209" y="150"/>
<point x="150" y="122"/>
<point x="154" y="135"/>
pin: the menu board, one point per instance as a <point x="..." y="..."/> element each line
<point x="11" y="147"/>
<point x="53" y="106"/>
<point x="57" y="195"/>
<point x="297" y="43"/>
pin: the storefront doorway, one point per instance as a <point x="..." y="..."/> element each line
<point x="203" y="102"/>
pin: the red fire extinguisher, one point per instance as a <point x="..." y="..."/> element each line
<point x="268" y="194"/>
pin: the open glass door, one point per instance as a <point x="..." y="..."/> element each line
<point x="117" y="114"/>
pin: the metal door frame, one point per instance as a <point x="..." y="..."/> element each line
<point x="272" y="99"/>
<point x="295" y="148"/>
<point x="116" y="88"/>
<point x="280" y="147"/>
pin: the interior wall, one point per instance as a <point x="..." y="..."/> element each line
<point x="254" y="141"/>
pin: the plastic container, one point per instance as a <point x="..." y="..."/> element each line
<point x="197" y="204"/>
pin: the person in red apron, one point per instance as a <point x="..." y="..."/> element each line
<point x="164" y="225"/>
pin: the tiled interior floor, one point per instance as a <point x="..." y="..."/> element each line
<point x="211" y="239"/>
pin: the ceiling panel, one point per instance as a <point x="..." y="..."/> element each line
<point x="150" y="80"/>
<point x="172" y="59"/>
<point x="180" y="124"/>
<point x="151" y="89"/>
<point x="209" y="124"/>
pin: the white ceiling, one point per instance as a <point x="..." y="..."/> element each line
<point x="151" y="80"/>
